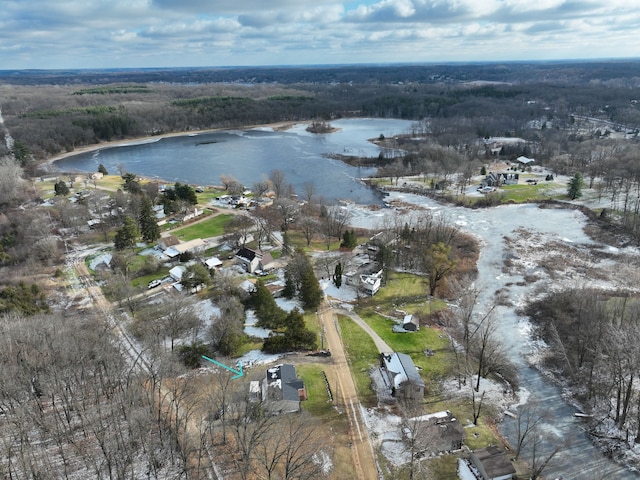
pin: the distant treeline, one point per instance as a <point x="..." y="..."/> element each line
<point x="478" y="101"/>
<point x="566" y="73"/>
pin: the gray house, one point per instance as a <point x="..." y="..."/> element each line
<point x="282" y="390"/>
<point x="401" y="376"/>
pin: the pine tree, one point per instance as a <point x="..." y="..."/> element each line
<point x="149" y="228"/>
<point x="127" y="234"/>
<point x="289" y="290"/>
<point x="337" y="275"/>
<point x="310" y="291"/>
<point x="61" y="188"/>
<point x="574" y="188"/>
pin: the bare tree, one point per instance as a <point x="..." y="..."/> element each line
<point x="279" y="183"/>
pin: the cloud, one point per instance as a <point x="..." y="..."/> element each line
<point x="111" y="33"/>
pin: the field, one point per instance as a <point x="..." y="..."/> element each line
<point x="210" y="227"/>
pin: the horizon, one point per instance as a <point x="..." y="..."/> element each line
<point x="73" y="34"/>
<point x="566" y="61"/>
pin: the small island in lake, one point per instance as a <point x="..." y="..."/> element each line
<point x="321" y="127"/>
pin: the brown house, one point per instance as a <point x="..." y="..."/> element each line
<point x="493" y="463"/>
<point x="443" y="430"/>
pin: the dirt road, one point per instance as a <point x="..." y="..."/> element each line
<point x="361" y="450"/>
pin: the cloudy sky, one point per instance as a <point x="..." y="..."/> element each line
<point x="175" y="33"/>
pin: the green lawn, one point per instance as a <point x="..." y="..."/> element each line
<point x="145" y="279"/>
<point x="434" y="367"/>
<point x="362" y="354"/>
<point x="212" y="227"/>
<point x="318" y="402"/>
<point x="522" y="193"/>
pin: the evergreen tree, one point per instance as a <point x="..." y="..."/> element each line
<point x="269" y="314"/>
<point x="149" y="228"/>
<point x="127" y="234"/>
<point x="310" y="291"/>
<point x="102" y="169"/>
<point x="61" y="188"/>
<point x="574" y="188"/>
<point x="130" y="185"/>
<point x="185" y="192"/>
<point x="349" y="239"/>
<point x="337" y="275"/>
<point x="483" y="171"/>
<point x="21" y="152"/>
<point x="289" y="290"/>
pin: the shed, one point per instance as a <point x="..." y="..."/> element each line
<point x="410" y="323"/>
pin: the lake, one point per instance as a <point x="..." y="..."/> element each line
<point x="248" y="155"/>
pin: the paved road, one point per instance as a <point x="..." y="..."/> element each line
<point x="361" y="450"/>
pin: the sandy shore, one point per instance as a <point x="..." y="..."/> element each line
<point x="278" y="126"/>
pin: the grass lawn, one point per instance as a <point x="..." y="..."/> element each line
<point x="362" y="354"/>
<point x="433" y="368"/>
<point x="212" y="227"/>
<point x="318" y="402"/>
<point x="525" y="193"/>
<point x="145" y="279"/>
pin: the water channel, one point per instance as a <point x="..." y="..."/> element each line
<point x="578" y="457"/>
<point x="249" y="154"/>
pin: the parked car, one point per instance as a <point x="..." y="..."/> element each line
<point x="154" y="283"/>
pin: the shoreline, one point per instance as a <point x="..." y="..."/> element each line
<point x="276" y="126"/>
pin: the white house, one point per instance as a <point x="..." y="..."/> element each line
<point x="212" y="263"/>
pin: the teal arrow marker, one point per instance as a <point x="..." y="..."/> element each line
<point x="238" y="373"/>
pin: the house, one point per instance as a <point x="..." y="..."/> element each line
<point x="282" y="390"/>
<point x="443" y="430"/>
<point x="197" y="245"/>
<point x="401" y="376"/>
<point x="176" y="272"/>
<point x="498" y="179"/>
<point x="371" y="283"/>
<point x="168" y="241"/>
<point x="522" y="160"/>
<point x="252" y="260"/>
<point x="212" y="263"/>
<point x="493" y="463"/>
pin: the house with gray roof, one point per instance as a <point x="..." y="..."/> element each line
<point x="282" y="390"/>
<point x="401" y="376"/>
<point x="493" y="463"/>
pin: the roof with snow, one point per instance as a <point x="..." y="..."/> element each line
<point x="524" y="160"/>
<point x="402" y="369"/>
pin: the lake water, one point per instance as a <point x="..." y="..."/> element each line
<point x="201" y="159"/>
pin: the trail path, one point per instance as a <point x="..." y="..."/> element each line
<point x="361" y="449"/>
